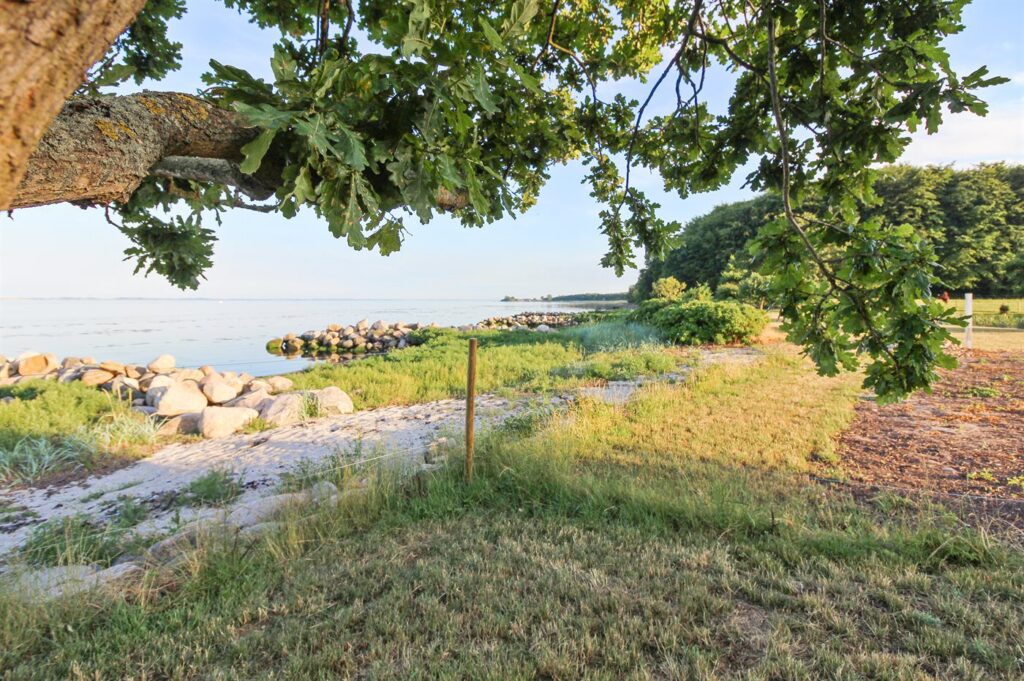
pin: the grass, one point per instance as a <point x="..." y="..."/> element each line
<point x="507" y="360"/>
<point x="675" y="537"/>
<point x="1007" y="340"/>
<point x="34" y="458"/>
<point x="80" y="540"/>
<point x="615" y="334"/>
<point x="991" y="305"/>
<point x="55" y="427"/>
<point x="214" y="487"/>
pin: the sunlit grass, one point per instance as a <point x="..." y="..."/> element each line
<point x="517" y="360"/>
<point x="673" y="537"/>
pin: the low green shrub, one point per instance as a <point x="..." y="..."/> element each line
<point x="706" y="321"/>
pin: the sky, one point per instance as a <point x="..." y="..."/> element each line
<point x="555" y="248"/>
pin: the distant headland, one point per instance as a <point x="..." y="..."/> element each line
<point x="572" y="298"/>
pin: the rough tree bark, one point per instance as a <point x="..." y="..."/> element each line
<point x="99" y="149"/>
<point x="46" y="48"/>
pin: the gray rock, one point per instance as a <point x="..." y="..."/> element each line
<point x="260" y="530"/>
<point x="265" y="508"/>
<point x="67" y="580"/>
<point x="283" y="410"/>
<point x="93" y="377"/>
<point x="188" y="375"/>
<point x="179" y="398"/>
<point x="250" y="400"/>
<point x="217" y="390"/>
<point x="36" y="363"/>
<point x="143" y="409"/>
<point x="184" y="424"/>
<point x="156" y="381"/>
<point x="223" y="421"/>
<point x="162" y="364"/>
<point x="322" y="491"/>
<point x="279" y="384"/>
<point x="188" y="538"/>
<point x="333" y="400"/>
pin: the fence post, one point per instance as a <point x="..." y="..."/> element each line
<point x="470" y="408"/>
<point x="969" y="313"/>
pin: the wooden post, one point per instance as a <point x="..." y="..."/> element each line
<point x="969" y="313"/>
<point x="470" y="408"/>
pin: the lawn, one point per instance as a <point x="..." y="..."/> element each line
<point x="676" y="536"/>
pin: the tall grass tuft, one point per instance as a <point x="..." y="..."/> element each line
<point x="615" y="334"/>
<point x="33" y="458"/>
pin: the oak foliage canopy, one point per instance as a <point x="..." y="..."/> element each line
<point x="465" y="105"/>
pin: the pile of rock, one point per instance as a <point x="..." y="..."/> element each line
<point x="338" y="342"/>
<point x="532" y="320"/>
<point x="199" y="401"/>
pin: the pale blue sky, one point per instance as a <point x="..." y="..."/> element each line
<point x="554" y="248"/>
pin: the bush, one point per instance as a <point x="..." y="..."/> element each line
<point x="705" y="321"/>
<point x="668" y="287"/>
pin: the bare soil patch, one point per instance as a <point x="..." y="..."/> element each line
<point x="964" y="440"/>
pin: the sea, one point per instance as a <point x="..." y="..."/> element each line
<point x="229" y="334"/>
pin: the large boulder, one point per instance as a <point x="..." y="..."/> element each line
<point x="162" y="365"/>
<point x="112" y="366"/>
<point x="283" y="410"/>
<point x="94" y="377"/>
<point x="185" y="424"/>
<point x="279" y="384"/>
<point x="152" y="381"/>
<point x="36" y="363"/>
<point x="333" y="400"/>
<point x="250" y="400"/>
<point x="224" y="421"/>
<point x="124" y="387"/>
<point x="218" y="390"/>
<point x="179" y="398"/>
<point x="187" y="375"/>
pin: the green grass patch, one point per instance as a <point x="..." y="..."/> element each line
<point x="671" y="537"/>
<point x="53" y="427"/>
<point x="507" y="360"/>
<point x="214" y="487"/>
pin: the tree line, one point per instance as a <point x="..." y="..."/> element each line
<point x="973" y="218"/>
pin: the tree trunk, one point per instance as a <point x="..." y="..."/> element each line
<point x="46" y="49"/>
<point x="99" y="149"/>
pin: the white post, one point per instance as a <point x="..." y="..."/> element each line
<point x="969" y="313"/>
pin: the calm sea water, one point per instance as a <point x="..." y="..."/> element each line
<point x="228" y="334"/>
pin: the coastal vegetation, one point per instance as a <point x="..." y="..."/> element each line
<point x="690" y="506"/>
<point x="50" y="427"/>
<point x="972" y="217"/>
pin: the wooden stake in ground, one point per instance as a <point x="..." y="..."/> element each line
<point x="969" y="313"/>
<point x="470" y="408"/>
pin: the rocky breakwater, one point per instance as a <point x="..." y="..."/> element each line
<point x="199" y="401"/>
<point x="539" y="321"/>
<point x="342" y="343"/>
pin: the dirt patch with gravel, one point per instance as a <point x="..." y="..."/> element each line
<point x="964" y="440"/>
